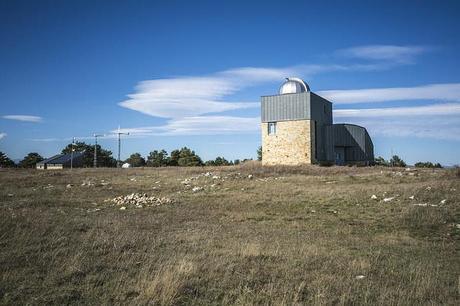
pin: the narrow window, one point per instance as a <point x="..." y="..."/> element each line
<point x="271" y="128"/>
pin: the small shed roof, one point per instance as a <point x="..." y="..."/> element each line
<point x="61" y="158"/>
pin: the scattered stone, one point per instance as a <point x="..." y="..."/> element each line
<point x="196" y="189"/>
<point x="68" y="186"/>
<point x="412" y="197"/>
<point x="10" y="194"/>
<point x="428" y="188"/>
<point x="360" y="277"/>
<point x="123" y="208"/>
<point x="133" y="179"/>
<point x="216" y="177"/>
<point x="87" y="183"/>
<point x="388" y="199"/>
<point x="250" y="176"/>
<point x="443" y="201"/>
<point x="374" y="197"/>
<point x="425" y="205"/>
<point x="139" y="200"/>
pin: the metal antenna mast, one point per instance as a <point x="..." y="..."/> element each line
<point x="95" y="148"/>
<point x="119" y="133"/>
<point x="71" y="153"/>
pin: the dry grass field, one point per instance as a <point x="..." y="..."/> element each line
<point x="237" y="235"/>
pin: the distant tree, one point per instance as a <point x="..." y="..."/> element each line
<point x="380" y="161"/>
<point x="5" y="161"/>
<point x="219" y="161"/>
<point x="104" y="157"/>
<point x="259" y="153"/>
<point x="236" y="162"/>
<point x="157" y="159"/>
<point x="174" y="158"/>
<point x="136" y="160"/>
<point x="188" y="158"/>
<point x="427" y="165"/>
<point x="30" y="160"/>
<point x="396" y="161"/>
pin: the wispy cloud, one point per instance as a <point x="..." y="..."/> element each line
<point x="446" y="109"/>
<point x="442" y="92"/>
<point x="190" y="102"/>
<point x="24" y="118"/>
<point x="437" y="121"/>
<point x="393" y="53"/>
<point x="199" y="125"/>
<point x="3" y="135"/>
<point x="444" y="128"/>
<point x="198" y="95"/>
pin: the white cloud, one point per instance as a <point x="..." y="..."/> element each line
<point x="398" y="54"/>
<point x="3" y="135"/>
<point x="427" y="110"/>
<point x="443" y="92"/>
<point x="192" y="96"/>
<point x="25" y="118"/>
<point x="197" y="95"/>
<point x="445" y="128"/>
<point x="437" y="121"/>
<point x="199" y="125"/>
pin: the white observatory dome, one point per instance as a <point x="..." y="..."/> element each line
<point x="293" y="85"/>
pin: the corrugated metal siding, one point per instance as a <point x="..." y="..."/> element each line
<point x="357" y="142"/>
<point x="286" y="107"/>
<point x="329" y="143"/>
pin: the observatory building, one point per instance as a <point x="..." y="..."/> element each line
<point x="297" y="128"/>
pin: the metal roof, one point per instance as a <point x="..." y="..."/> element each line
<point x="61" y="158"/>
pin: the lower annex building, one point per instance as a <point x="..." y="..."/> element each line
<point x="297" y="128"/>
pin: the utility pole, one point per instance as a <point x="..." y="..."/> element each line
<point x="95" y="148"/>
<point x="119" y="133"/>
<point x="71" y="153"/>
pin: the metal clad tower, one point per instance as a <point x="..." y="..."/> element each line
<point x="293" y="125"/>
<point x="297" y="128"/>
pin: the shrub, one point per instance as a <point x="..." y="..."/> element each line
<point x="396" y="161"/>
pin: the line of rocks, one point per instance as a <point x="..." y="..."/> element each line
<point x="139" y="200"/>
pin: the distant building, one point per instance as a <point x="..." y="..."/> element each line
<point x="297" y="128"/>
<point x="61" y="161"/>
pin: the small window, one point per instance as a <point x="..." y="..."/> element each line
<point x="271" y="128"/>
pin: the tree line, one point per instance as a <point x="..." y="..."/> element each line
<point x="397" y="161"/>
<point x="184" y="157"/>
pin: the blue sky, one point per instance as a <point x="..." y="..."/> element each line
<point x="191" y="73"/>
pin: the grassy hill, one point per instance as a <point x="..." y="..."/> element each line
<point x="230" y="235"/>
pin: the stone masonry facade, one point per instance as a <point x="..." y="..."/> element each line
<point x="292" y="144"/>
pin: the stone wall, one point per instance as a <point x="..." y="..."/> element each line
<point x="293" y="143"/>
